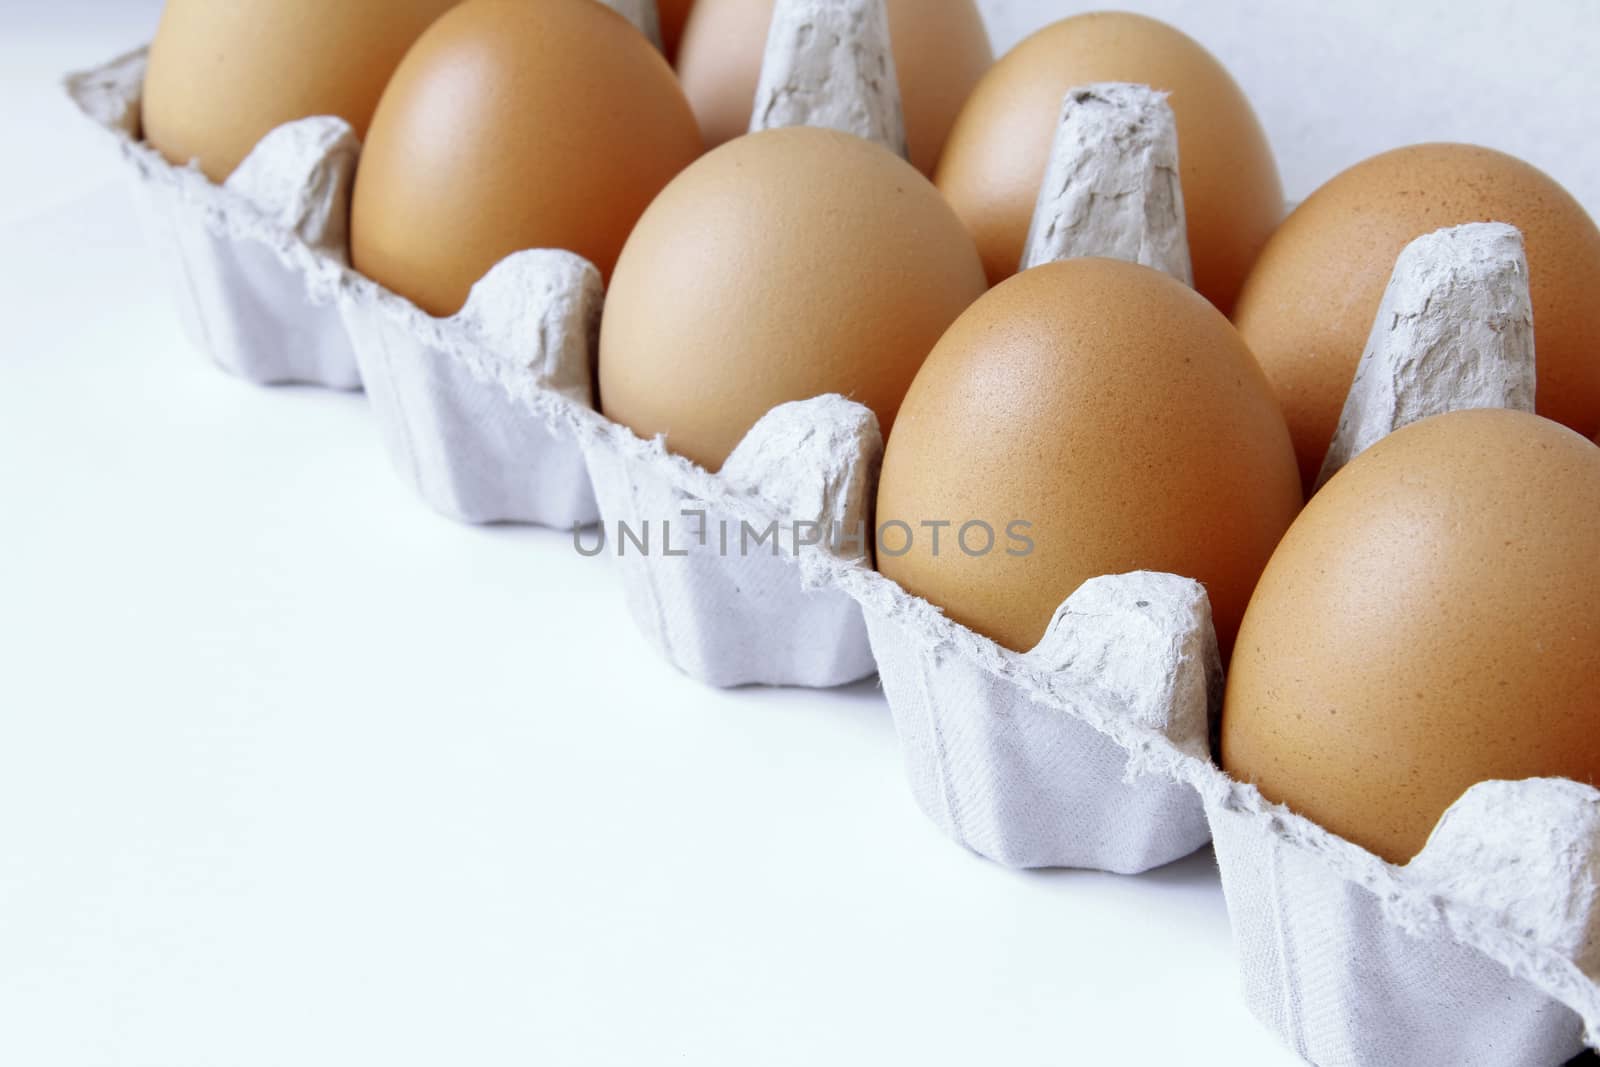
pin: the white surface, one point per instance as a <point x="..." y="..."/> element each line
<point x="250" y="813"/>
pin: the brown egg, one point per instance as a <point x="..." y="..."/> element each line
<point x="1309" y="304"/>
<point x="940" y="51"/>
<point x="224" y="75"/>
<point x="514" y="125"/>
<point x="1114" y="411"/>
<point x="1431" y="621"/>
<point x="674" y="13"/>
<point x="995" y="159"/>
<point x="781" y="266"/>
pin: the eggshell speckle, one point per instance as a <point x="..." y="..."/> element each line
<point x="1431" y="621"/>
<point x="782" y="266"/>
<point x="995" y="159"/>
<point x="222" y="75"/>
<point x="1113" y="410"/>
<point x="514" y="125"/>
<point x="941" y="49"/>
<point x="1311" y="299"/>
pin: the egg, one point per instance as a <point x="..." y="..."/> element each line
<point x="1100" y="418"/>
<point x="940" y="48"/>
<point x="1432" y="620"/>
<point x="782" y="266"/>
<point x="995" y="159"/>
<point x="1309" y="304"/>
<point x="514" y="125"/>
<point x="221" y="76"/>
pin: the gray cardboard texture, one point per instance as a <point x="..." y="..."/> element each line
<point x="1353" y="961"/>
<point x="828" y="63"/>
<point x="450" y="395"/>
<point x="1454" y="331"/>
<point x="1034" y="760"/>
<point x="1111" y="187"/>
<point x="237" y="268"/>
<point x="733" y="609"/>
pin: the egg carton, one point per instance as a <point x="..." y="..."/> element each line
<point x="489" y="414"/>
<point x="741" y="598"/>
<point x="260" y="269"/>
<point x="483" y="413"/>
<point x="1056" y="757"/>
<point x="1094" y="749"/>
<point x="237" y="255"/>
<point x="794" y="616"/>
<point x="1043" y="759"/>
<point x="260" y="265"/>
<point x="1091" y="750"/>
<point x="1480" y="951"/>
<point x="724" y="572"/>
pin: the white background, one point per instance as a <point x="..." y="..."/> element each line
<point x="294" y="772"/>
